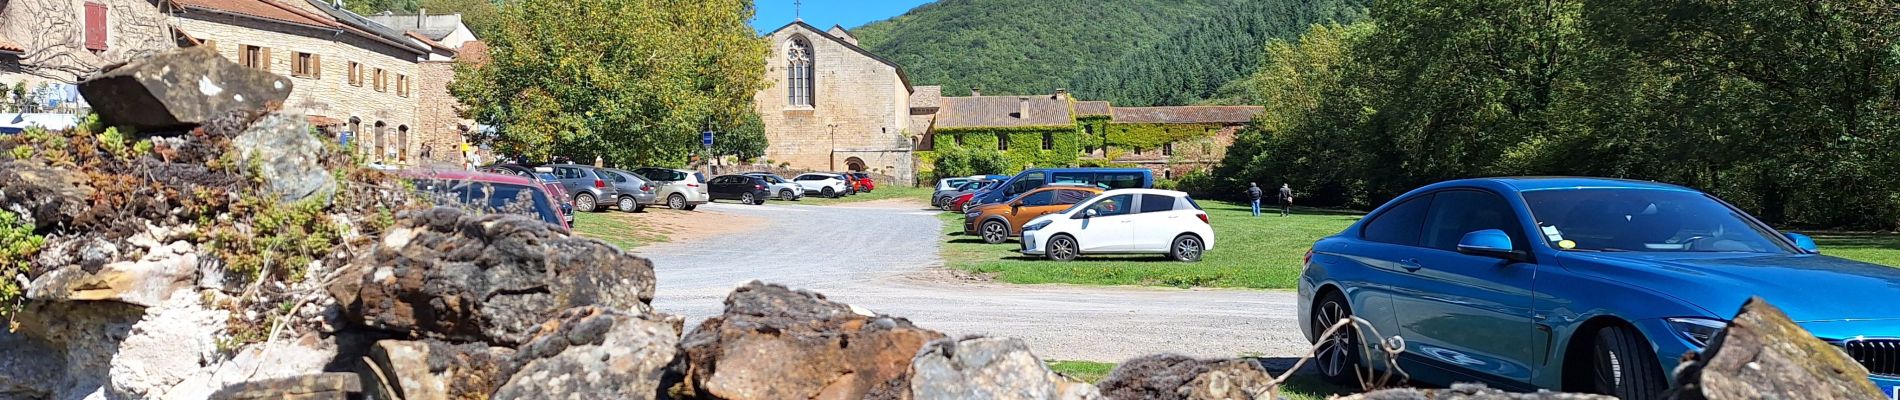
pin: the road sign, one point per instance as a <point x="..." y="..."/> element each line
<point x="706" y="138"/>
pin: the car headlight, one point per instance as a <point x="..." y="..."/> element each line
<point x="1036" y="225"/>
<point x="1699" y="331"/>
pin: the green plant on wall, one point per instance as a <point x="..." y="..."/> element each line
<point x="1027" y="147"/>
<point x="17" y="245"/>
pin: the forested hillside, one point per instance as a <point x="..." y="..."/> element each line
<point x="1026" y="46"/>
<point x="1193" y="65"/>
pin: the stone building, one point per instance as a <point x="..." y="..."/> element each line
<point x="834" y="106"/>
<point x="384" y="89"/>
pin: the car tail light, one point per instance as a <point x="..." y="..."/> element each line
<point x="759" y="187"/>
<point x="1309" y="257"/>
<point x="1203" y="218"/>
<point x="646" y="187"/>
<point x="600" y="184"/>
<point x="692" y="185"/>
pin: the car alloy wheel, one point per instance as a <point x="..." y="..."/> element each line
<point x="1335" y="355"/>
<point x="1063" y="248"/>
<point x="584" y="202"/>
<point x="785" y="194"/>
<point x="1187" y="248"/>
<point x="676" y="201"/>
<point x="748" y="199"/>
<point x="828" y="192"/>
<point x="995" y="232"/>
<point x="628" y="205"/>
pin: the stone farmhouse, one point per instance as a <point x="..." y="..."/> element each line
<point x="832" y="105"/>
<point x="382" y="88"/>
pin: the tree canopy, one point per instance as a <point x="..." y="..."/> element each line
<point x="632" y="81"/>
<point x="1785" y="108"/>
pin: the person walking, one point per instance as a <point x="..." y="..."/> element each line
<point x="1286" y="199"/>
<point x="1254" y="192"/>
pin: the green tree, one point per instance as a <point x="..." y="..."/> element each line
<point x="746" y="140"/>
<point x="632" y="81"/>
<point x="368" y="7"/>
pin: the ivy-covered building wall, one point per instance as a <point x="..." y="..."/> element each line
<point x="1055" y="131"/>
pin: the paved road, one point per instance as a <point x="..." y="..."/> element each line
<point x="887" y="260"/>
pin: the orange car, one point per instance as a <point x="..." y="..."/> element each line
<point x="1001" y="221"/>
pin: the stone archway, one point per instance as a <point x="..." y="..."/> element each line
<point x="854" y="164"/>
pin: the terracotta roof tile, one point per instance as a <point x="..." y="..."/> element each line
<point x="1002" y="111"/>
<point x="265" y="9"/>
<point x="8" y="45"/>
<point x="1187" y="114"/>
<point x="426" y="40"/>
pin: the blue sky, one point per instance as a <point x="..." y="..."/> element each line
<point x="773" y="14"/>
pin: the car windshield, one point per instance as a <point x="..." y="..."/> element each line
<point x="1646" y="220"/>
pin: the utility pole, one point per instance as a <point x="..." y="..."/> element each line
<point x="833" y="157"/>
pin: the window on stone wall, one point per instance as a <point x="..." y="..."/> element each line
<point x="402" y="85"/>
<point x="1048" y="141"/>
<point x="402" y="143"/>
<point x="1167" y="149"/>
<point x="1002" y="141"/>
<point x="381" y="80"/>
<point x="798" y="61"/>
<point x="959" y="139"/>
<point x="307" y="65"/>
<point x="95" y="26"/>
<point x="1167" y="174"/>
<point x="356" y="73"/>
<point x="254" y="57"/>
<point x="1138" y="151"/>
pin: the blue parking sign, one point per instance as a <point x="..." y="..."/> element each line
<point x="706" y="138"/>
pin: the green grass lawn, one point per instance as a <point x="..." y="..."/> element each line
<point x="1878" y="248"/>
<point x="922" y="195"/>
<point x="1300" y="387"/>
<point x="1250" y="252"/>
<point x="616" y="228"/>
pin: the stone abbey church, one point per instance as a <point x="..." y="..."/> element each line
<point x="834" y="106"/>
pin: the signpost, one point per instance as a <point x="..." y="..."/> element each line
<point x="706" y="139"/>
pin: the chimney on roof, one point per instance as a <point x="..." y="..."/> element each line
<point x="1023" y="112"/>
<point x="1062" y="94"/>
<point x="420" y="14"/>
<point x="976" y="91"/>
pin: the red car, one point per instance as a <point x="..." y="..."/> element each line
<point x="862" y="181"/>
<point x="488" y="192"/>
<point x="957" y="204"/>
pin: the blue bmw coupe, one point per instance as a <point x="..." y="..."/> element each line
<point x="1576" y="284"/>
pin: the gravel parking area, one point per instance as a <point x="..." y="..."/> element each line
<point x="886" y="258"/>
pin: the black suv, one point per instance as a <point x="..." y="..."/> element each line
<point x="744" y="188"/>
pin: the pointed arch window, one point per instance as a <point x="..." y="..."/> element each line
<point x="798" y="59"/>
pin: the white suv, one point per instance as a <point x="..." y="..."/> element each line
<point x="826" y="185"/>
<point x="1127" y="221"/>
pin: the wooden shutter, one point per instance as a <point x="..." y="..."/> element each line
<point x="95" y="26"/>
<point x="316" y="66"/>
<point x="264" y="64"/>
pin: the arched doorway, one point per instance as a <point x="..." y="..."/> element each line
<point x="854" y="164"/>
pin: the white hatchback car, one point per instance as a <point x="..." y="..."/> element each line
<point x="1123" y="221"/>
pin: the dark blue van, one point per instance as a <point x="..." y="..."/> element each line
<point x="1105" y="178"/>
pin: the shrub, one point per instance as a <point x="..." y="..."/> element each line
<point x="17" y="245"/>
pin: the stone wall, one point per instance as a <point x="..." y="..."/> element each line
<point x="53" y="33"/>
<point x="329" y="93"/>
<point x="438" y="124"/>
<point x="1199" y="154"/>
<point x="860" y="107"/>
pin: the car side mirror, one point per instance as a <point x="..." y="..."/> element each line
<point x="1804" y="242"/>
<point x="1489" y="243"/>
<point x="1089" y="213"/>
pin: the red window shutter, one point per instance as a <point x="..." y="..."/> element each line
<point x="95" y="26"/>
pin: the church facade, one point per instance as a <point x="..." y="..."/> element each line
<point x="834" y="106"/>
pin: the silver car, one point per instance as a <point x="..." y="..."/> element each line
<point x="635" y="192"/>
<point x="678" y="189"/>
<point x="783" y="188"/>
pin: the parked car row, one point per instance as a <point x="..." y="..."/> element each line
<point x="1062" y="214"/>
<point x="490" y="192"/>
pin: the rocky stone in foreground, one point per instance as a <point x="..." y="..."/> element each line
<point x="1173" y="376"/>
<point x="179" y="89"/>
<point x="777" y="343"/>
<point x="431" y="369"/>
<point x="988" y="368"/>
<point x="595" y="353"/>
<point x="459" y="277"/>
<point x="290" y="159"/>
<point x="1764" y="355"/>
<point x="1467" y="391"/>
